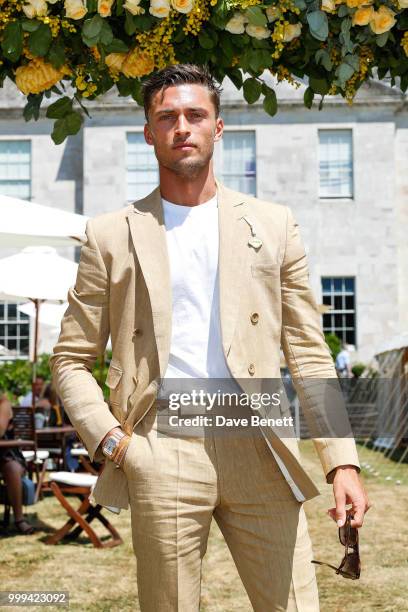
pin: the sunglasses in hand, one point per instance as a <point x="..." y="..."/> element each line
<point x="350" y="566"/>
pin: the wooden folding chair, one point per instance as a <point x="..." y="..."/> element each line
<point x="24" y="429"/>
<point x="69" y="483"/>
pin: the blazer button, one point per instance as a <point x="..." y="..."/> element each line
<point x="251" y="369"/>
<point x="254" y="318"/>
<point x="138" y="332"/>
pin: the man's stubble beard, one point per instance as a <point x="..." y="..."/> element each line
<point x="187" y="168"/>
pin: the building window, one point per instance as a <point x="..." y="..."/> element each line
<point x="15" y="168"/>
<point x="336" y="163"/>
<point x="339" y="294"/>
<point x="14" y="331"/>
<point x="237" y="161"/>
<point x="141" y="167"/>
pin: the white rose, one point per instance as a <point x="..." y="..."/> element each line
<point x="75" y="9"/>
<point x="272" y="13"/>
<point x="133" y="7"/>
<point x="236" y="25"/>
<point x="403" y="4"/>
<point x="328" y="5"/>
<point x="35" y="8"/>
<point x="182" y="6"/>
<point x="159" y="8"/>
<point x="258" y="32"/>
<point x="292" y="31"/>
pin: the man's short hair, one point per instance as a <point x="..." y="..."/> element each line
<point x="180" y="74"/>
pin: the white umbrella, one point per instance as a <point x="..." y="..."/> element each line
<point x="38" y="274"/>
<point x="25" y="223"/>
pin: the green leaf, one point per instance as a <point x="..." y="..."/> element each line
<point x="252" y="90"/>
<point x="381" y="39"/>
<point x="30" y="25"/>
<point x="323" y="57"/>
<point x="119" y="8"/>
<point x="130" y="26"/>
<point x="352" y="60"/>
<point x="56" y="54"/>
<point x="90" y="42"/>
<point x="319" y="85"/>
<point x="93" y="26"/>
<point x="308" y="97"/>
<point x="300" y="4"/>
<point x="256" y="16"/>
<point x="344" y="72"/>
<point x="318" y="24"/>
<point x="106" y="34"/>
<point x="12" y="43"/>
<point x="40" y="40"/>
<point x="235" y="75"/>
<point x="32" y="108"/>
<point x="117" y="46"/>
<point x="343" y="10"/>
<point x="68" y="125"/>
<point x="205" y="40"/>
<point x="60" y="108"/>
<point x="270" y="103"/>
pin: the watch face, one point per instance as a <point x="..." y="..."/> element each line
<point x="110" y="446"/>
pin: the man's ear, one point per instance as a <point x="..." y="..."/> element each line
<point x="219" y="128"/>
<point x="147" y="134"/>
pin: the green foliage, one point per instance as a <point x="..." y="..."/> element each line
<point x="334" y="344"/>
<point x="327" y="52"/>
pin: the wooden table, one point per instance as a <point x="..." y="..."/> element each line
<point x="48" y="436"/>
<point x="17" y="443"/>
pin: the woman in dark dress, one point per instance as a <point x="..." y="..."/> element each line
<point x="12" y="467"/>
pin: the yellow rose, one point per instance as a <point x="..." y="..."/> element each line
<point x="133" y="6"/>
<point x="137" y="64"/>
<point x="182" y="6"/>
<point x="35" y="8"/>
<point x="363" y="16"/>
<point x="328" y="5"/>
<point x="114" y="61"/>
<point x="159" y="8"/>
<point x="75" y="9"/>
<point x="292" y="31"/>
<point x="382" y="20"/>
<point x="104" y="7"/>
<point x="37" y="76"/>
<point x="236" y="25"/>
<point x="258" y="32"/>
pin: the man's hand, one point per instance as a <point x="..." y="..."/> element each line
<point x="348" y="489"/>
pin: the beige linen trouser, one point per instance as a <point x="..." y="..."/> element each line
<point x="176" y="486"/>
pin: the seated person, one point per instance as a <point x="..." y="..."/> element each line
<point x="12" y="467"/>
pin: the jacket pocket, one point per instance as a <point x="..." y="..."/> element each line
<point x="114" y="375"/>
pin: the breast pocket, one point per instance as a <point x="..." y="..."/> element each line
<point x="265" y="269"/>
<point x="114" y="376"/>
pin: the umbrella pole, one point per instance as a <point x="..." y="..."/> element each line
<point x="34" y="365"/>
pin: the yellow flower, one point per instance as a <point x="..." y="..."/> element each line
<point x="133" y="6"/>
<point x="382" y="20"/>
<point x="292" y="30"/>
<point x="273" y="13"/>
<point x="159" y="8"/>
<point x="258" y="32"/>
<point x="363" y="15"/>
<point x="137" y="64"/>
<point x="104" y="7"/>
<point x="75" y="9"/>
<point x="35" y="8"/>
<point x="37" y="76"/>
<point x="182" y="6"/>
<point x="114" y="61"/>
<point x="328" y="5"/>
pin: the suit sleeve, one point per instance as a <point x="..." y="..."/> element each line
<point x="310" y="362"/>
<point x="83" y="337"/>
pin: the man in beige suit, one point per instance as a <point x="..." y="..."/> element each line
<point x="197" y="280"/>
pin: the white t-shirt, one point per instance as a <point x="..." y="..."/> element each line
<point x="192" y="241"/>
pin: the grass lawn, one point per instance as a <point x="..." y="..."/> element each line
<point x="105" y="580"/>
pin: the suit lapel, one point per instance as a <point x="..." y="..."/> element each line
<point x="233" y="252"/>
<point x="147" y="228"/>
<point x="146" y="223"/>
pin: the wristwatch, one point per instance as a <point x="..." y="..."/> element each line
<point x="115" y="447"/>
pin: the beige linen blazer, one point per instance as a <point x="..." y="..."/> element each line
<point x="123" y="289"/>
